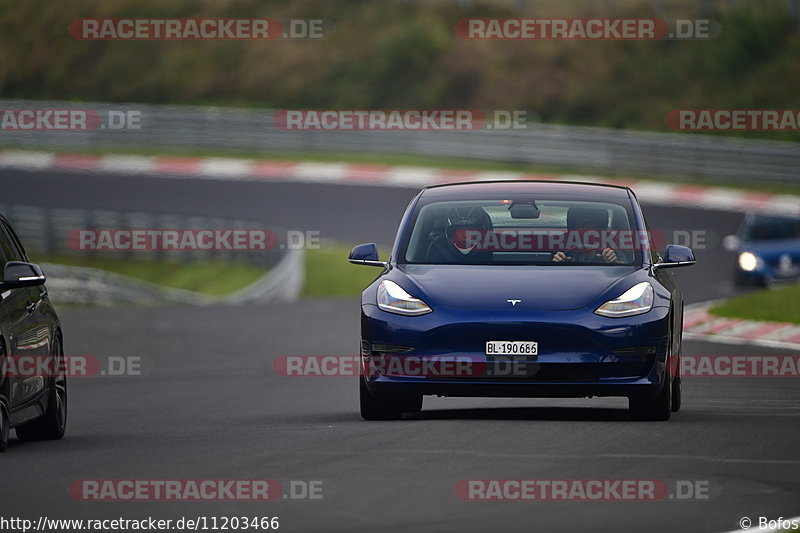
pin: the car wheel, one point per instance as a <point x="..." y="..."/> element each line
<point x="677" y="382"/>
<point x="676" y="394"/>
<point x="373" y="408"/>
<point x="5" y="420"/>
<point x="658" y="408"/>
<point x="5" y="426"/>
<point x="54" y="422"/>
<point x="412" y="404"/>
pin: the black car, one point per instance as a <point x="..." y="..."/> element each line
<point x="33" y="403"/>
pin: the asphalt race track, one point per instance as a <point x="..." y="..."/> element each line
<point x="338" y="212"/>
<point x="208" y="404"/>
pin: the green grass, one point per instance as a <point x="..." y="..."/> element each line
<point x="378" y="158"/>
<point x="329" y="274"/>
<point x="777" y="305"/>
<point x="214" y="278"/>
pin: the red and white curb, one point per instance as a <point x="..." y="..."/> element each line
<point x="698" y="324"/>
<point x="216" y="168"/>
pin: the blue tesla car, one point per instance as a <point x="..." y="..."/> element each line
<point x="521" y="289"/>
<point x="768" y="248"/>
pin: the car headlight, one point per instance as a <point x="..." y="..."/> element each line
<point x="749" y="261"/>
<point x="392" y="298"/>
<point x="635" y="301"/>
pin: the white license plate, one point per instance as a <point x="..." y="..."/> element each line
<point x="512" y="348"/>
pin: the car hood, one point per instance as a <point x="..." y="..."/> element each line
<point x="490" y="287"/>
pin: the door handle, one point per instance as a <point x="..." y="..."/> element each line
<point x="43" y="294"/>
<point x="30" y="307"/>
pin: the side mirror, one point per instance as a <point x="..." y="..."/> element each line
<point x="366" y="254"/>
<point x="676" y="256"/>
<point x="17" y="274"/>
<point x="731" y="243"/>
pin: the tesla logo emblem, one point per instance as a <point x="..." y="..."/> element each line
<point x="513" y="302"/>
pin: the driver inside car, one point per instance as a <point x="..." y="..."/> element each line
<point x="448" y="243"/>
<point x="582" y="219"/>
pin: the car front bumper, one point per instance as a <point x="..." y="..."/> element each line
<point x="580" y="353"/>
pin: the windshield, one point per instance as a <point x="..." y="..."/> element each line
<point x="772" y="230"/>
<point x="529" y="232"/>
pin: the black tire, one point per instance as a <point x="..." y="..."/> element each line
<point x="658" y="408"/>
<point x="677" y="382"/>
<point x="661" y="407"/>
<point x="5" y="426"/>
<point x="5" y="420"/>
<point x="54" y="422"/>
<point x="373" y="408"/>
<point x="412" y="404"/>
<point x="676" y="394"/>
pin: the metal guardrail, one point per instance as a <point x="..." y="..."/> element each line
<point x="81" y="285"/>
<point x="584" y="148"/>
<point x="44" y="230"/>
